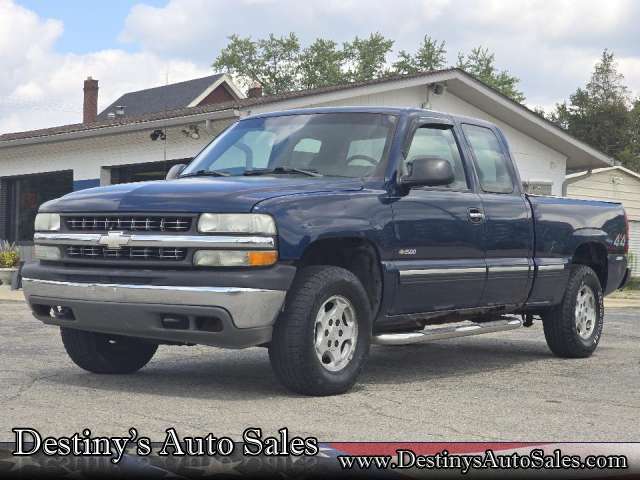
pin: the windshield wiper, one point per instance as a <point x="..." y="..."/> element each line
<point x="206" y="173"/>
<point x="282" y="171"/>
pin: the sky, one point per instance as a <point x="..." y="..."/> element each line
<point x="48" y="48"/>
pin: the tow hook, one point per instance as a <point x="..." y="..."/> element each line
<point x="527" y="319"/>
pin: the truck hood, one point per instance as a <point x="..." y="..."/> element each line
<point x="194" y="195"/>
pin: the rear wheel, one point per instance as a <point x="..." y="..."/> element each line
<point x="573" y="328"/>
<point x="103" y="353"/>
<point x="321" y="339"/>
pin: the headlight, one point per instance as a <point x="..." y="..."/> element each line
<point x="44" y="252"/>
<point x="236" y="223"/>
<point x="234" y="258"/>
<point x="47" y="222"/>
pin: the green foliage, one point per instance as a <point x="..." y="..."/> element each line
<point x="366" y="58"/>
<point x="9" y="255"/>
<point x="431" y="55"/>
<point x="630" y="156"/>
<point x="481" y="64"/>
<point x="272" y="62"/>
<point x="279" y="64"/>
<point x="321" y="64"/>
<point x="599" y="113"/>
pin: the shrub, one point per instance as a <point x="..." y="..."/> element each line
<point x="9" y="255"/>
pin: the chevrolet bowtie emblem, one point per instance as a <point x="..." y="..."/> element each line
<point x="114" y="240"/>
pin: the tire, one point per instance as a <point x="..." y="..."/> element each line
<point x="294" y="356"/>
<point x="110" y="354"/>
<point x="571" y="330"/>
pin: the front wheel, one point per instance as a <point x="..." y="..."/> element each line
<point x="573" y="328"/>
<point x="102" y="353"/>
<point x="321" y="340"/>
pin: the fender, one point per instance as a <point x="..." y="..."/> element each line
<point x="304" y="219"/>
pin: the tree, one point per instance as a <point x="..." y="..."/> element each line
<point x="599" y="113"/>
<point x="630" y="156"/>
<point x="279" y="64"/>
<point x="273" y="62"/>
<point x="321" y="64"/>
<point x="431" y="55"/>
<point x="481" y="64"/>
<point x="366" y="58"/>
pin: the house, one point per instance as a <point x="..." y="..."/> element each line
<point x="192" y="93"/>
<point x="142" y="134"/>
<point x="615" y="184"/>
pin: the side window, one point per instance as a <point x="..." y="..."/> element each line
<point x="437" y="142"/>
<point x="252" y="151"/>
<point x="493" y="166"/>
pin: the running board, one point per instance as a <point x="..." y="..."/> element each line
<point x="446" y="332"/>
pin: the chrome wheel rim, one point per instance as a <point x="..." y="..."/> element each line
<point x="336" y="333"/>
<point x="586" y="312"/>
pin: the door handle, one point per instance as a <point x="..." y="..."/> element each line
<point x="476" y="215"/>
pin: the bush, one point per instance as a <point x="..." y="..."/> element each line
<point x="9" y="255"/>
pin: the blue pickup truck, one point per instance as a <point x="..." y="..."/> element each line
<point x="316" y="233"/>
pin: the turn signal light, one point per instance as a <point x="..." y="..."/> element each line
<point x="235" y="258"/>
<point x="262" y="258"/>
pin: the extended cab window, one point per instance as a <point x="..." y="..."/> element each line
<point x="493" y="166"/>
<point x="433" y="141"/>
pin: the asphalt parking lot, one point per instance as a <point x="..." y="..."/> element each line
<point x="504" y="386"/>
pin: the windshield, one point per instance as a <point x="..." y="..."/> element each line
<point x="320" y="144"/>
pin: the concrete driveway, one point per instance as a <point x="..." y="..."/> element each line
<point x="504" y="386"/>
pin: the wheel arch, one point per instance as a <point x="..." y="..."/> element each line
<point x="593" y="254"/>
<point x="359" y="255"/>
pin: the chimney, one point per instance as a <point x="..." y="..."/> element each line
<point x="90" y="106"/>
<point x="255" y="91"/>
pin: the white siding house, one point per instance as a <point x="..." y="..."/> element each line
<point x="137" y="148"/>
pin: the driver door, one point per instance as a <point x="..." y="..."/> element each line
<point x="439" y="230"/>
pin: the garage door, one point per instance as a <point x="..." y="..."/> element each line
<point x="634" y="247"/>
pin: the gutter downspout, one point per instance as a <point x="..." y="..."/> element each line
<point x="569" y="181"/>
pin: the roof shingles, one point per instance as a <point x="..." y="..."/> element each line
<point x="160" y="99"/>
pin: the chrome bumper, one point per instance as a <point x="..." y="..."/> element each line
<point x="248" y="307"/>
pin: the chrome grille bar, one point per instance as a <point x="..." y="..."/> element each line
<point x="136" y="253"/>
<point x="128" y="223"/>
<point x="161" y="241"/>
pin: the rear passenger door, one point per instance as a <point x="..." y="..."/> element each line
<point x="508" y="233"/>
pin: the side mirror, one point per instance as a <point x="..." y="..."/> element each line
<point x="175" y="171"/>
<point x="428" y="171"/>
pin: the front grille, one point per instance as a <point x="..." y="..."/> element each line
<point x="128" y="223"/>
<point x="127" y="253"/>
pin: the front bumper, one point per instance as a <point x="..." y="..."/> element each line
<point x="228" y="316"/>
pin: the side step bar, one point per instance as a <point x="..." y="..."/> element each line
<point x="446" y="332"/>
